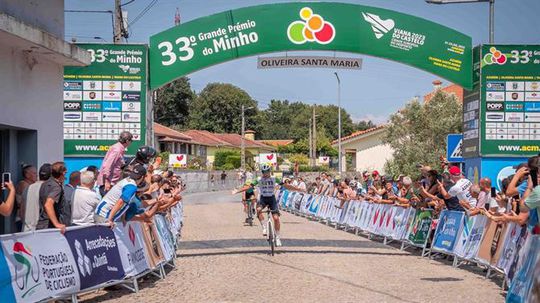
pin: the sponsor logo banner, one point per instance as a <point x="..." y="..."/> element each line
<point x="491" y="245"/>
<point x="495" y="86"/>
<point x="91" y="106"/>
<point x="130" y="242"/>
<point x="532" y="86"/>
<point x="532" y="96"/>
<point x="494" y="116"/>
<point x="532" y="106"/>
<point x="109" y="106"/>
<point x="112" y="96"/>
<point x="131" y="85"/>
<point x="177" y="160"/>
<point x="72" y="106"/>
<point x="131" y="96"/>
<point x="495" y="96"/>
<point x="92" y="85"/>
<point x="152" y="244"/>
<point x="92" y="116"/>
<point x="514" y="106"/>
<point x="112" y="85"/>
<point x="167" y="241"/>
<point x="72" y="95"/>
<point x="92" y="96"/>
<point x="419" y="229"/>
<point x="72" y="116"/>
<point x="131" y="106"/>
<point x="532" y="117"/>
<point x="515" y="96"/>
<point x="450" y="223"/>
<point x="131" y="117"/>
<point x="495" y="106"/>
<point x="73" y="85"/>
<point x="112" y="117"/>
<point x="96" y="253"/>
<point x="514" y="117"/>
<point x="35" y="270"/>
<point x="515" y="86"/>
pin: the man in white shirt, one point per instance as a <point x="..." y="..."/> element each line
<point x="460" y="189"/>
<point x="85" y="200"/>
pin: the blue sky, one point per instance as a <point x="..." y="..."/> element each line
<point x="375" y="92"/>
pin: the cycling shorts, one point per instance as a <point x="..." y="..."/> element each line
<point x="269" y="202"/>
<point x="250" y="196"/>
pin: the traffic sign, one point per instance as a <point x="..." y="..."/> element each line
<point x="454" y="152"/>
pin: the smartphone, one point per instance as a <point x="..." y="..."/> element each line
<point x="6" y="177"/>
<point x="493" y="192"/>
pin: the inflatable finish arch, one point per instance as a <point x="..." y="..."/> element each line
<point x="322" y="26"/>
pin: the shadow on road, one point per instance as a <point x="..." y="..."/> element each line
<point x="286" y="251"/>
<point x="253" y="242"/>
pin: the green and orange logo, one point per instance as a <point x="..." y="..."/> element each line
<point x="495" y="57"/>
<point x="29" y="267"/>
<point x="312" y="28"/>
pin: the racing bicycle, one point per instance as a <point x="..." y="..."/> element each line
<point x="271" y="231"/>
<point x="250" y="212"/>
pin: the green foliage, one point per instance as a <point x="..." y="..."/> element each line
<point x="227" y="157"/>
<point x="218" y="108"/>
<point x="363" y="125"/>
<point x="164" y="160"/>
<point x="196" y="163"/>
<point x="307" y="168"/>
<point x="227" y="166"/>
<point x="302" y="159"/>
<point x="171" y="106"/>
<point x="417" y="133"/>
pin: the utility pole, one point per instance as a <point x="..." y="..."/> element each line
<point x="310" y="144"/>
<point x="340" y="168"/>
<point x="117" y="22"/>
<point x="243" y="144"/>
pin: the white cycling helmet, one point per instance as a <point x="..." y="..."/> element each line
<point x="265" y="168"/>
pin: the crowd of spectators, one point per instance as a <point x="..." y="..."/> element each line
<point x="447" y="188"/>
<point x="116" y="192"/>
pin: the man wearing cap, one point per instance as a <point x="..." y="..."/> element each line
<point x="111" y="168"/>
<point x="116" y="202"/>
<point x="460" y="189"/>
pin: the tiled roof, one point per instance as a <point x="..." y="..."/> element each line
<point x="451" y="89"/>
<point x="206" y="138"/>
<point x="236" y="140"/>
<point x="276" y="143"/>
<point x="165" y="132"/>
<point x="359" y="133"/>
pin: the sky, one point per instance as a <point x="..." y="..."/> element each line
<point x="376" y="91"/>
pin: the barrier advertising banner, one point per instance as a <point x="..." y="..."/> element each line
<point x="152" y="244"/>
<point x="130" y="242"/>
<point x="33" y="270"/>
<point x="470" y="237"/>
<point x="105" y="98"/>
<point x="492" y="242"/>
<point x="96" y="253"/>
<point x="419" y="229"/>
<point x="447" y="231"/>
<point x="521" y="290"/>
<point x="167" y="241"/>
<point x="514" y="233"/>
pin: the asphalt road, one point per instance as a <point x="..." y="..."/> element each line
<point x="222" y="260"/>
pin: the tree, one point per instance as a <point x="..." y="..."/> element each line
<point x="218" y="108"/>
<point x="363" y="125"/>
<point x="171" y="106"/>
<point x="327" y="119"/>
<point x="417" y="133"/>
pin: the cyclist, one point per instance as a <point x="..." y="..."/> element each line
<point x="249" y="195"/>
<point x="266" y="186"/>
<point x="142" y="157"/>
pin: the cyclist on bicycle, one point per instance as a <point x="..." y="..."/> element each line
<point x="266" y="187"/>
<point x="249" y="195"/>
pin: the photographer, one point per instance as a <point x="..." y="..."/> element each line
<point x="6" y="207"/>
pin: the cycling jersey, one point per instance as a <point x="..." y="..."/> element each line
<point x="266" y="185"/>
<point x="125" y="189"/>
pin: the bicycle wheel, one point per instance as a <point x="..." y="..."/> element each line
<point x="271" y="236"/>
<point x="250" y="213"/>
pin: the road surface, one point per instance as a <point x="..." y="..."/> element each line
<point x="221" y="260"/>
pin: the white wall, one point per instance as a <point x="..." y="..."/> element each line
<point x="31" y="98"/>
<point x="371" y="153"/>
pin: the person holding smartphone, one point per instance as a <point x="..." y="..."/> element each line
<point x="6" y="207"/>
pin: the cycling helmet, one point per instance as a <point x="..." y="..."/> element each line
<point x="145" y="153"/>
<point x="265" y="168"/>
<point x="352" y="183"/>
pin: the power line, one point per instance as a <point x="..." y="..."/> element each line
<point x="143" y="12"/>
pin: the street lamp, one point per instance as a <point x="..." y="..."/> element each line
<point x="243" y="144"/>
<point x="491" y="12"/>
<point x="339" y="122"/>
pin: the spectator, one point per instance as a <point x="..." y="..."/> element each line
<point x="6" y="207"/>
<point x="111" y="168"/>
<point x="302" y="185"/>
<point x="51" y="198"/>
<point x="31" y="203"/>
<point x="29" y="177"/>
<point x="223" y="177"/>
<point x="115" y="203"/>
<point x="85" y="200"/>
<point x="69" y="190"/>
<point x="460" y="189"/>
<point x="485" y="194"/>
